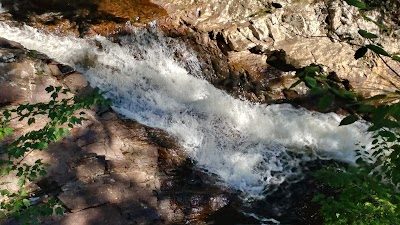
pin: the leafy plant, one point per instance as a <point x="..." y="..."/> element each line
<point x="62" y="114"/>
<point x="360" y="198"/>
<point x="324" y="87"/>
<point x="366" y="193"/>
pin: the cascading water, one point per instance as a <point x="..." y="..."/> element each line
<point x="246" y="145"/>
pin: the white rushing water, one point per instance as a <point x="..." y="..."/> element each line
<point x="245" y="144"/>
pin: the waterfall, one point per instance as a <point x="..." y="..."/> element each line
<point x="248" y="146"/>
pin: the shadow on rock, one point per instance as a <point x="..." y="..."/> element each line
<point x="82" y="17"/>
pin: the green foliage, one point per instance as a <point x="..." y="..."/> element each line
<point x="360" y="199"/>
<point x="366" y="34"/>
<point x="397" y="58"/>
<point x="356" y="3"/>
<point x="360" y="52"/>
<point x="62" y="114"/>
<point x="349" y="120"/>
<point x="324" y="87"/>
<point x="378" y="50"/>
<point x="366" y="193"/>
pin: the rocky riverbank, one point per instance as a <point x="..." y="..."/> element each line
<point x="246" y="48"/>
<point x="110" y="168"/>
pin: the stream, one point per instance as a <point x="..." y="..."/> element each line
<point x="250" y="148"/>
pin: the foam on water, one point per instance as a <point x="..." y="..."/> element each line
<point x="247" y="145"/>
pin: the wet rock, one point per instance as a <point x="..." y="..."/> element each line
<point x="290" y="94"/>
<point x="102" y="215"/>
<point x="186" y="195"/>
<point x="65" y="69"/>
<point x="4" y="43"/>
<point x="218" y="202"/>
<point x="75" y="82"/>
<point x="55" y="71"/>
<point x="170" y="211"/>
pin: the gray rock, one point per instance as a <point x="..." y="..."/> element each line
<point x="4" y="43"/>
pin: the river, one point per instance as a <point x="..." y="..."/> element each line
<point x="248" y="146"/>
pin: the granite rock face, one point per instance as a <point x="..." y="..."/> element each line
<point x="307" y="31"/>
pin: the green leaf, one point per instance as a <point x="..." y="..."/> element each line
<point x="299" y="74"/>
<point x="5" y="171"/>
<point x="29" y="108"/>
<point x="23" y="193"/>
<point x="21" y="182"/>
<point x="61" y="132"/>
<point x="31" y="120"/>
<point x="312" y="69"/>
<point x="2" y="214"/>
<point x="7" y="114"/>
<point x="20" y="171"/>
<point x="357" y="4"/>
<point x="343" y="93"/>
<point x="8" y="130"/>
<point x="54" y="95"/>
<point x="310" y="82"/>
<point x="366" y="108"/>
<point x="348" y="120"/>
<point x="42" y="173"/>
<point x="366" y="34"/>
<point x="26" y="202"/>
<point x="32" y="176"/>
<point x="360" y="52"/>
<point x="59" y="211"/>
<point x="387" y="134"/>
<point x="317" y="198"/>
<point x="397" y="58"/>
<point x="326" y="101"/>
<point x="43" y="145"/>
<point x="49" y="89"/>
<point x="378" y="50"/>
<point x="380" y="25"/>
<point x="376" y="97"/>
<point x="5" y="192"/>
<point x="48" y="211"/>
